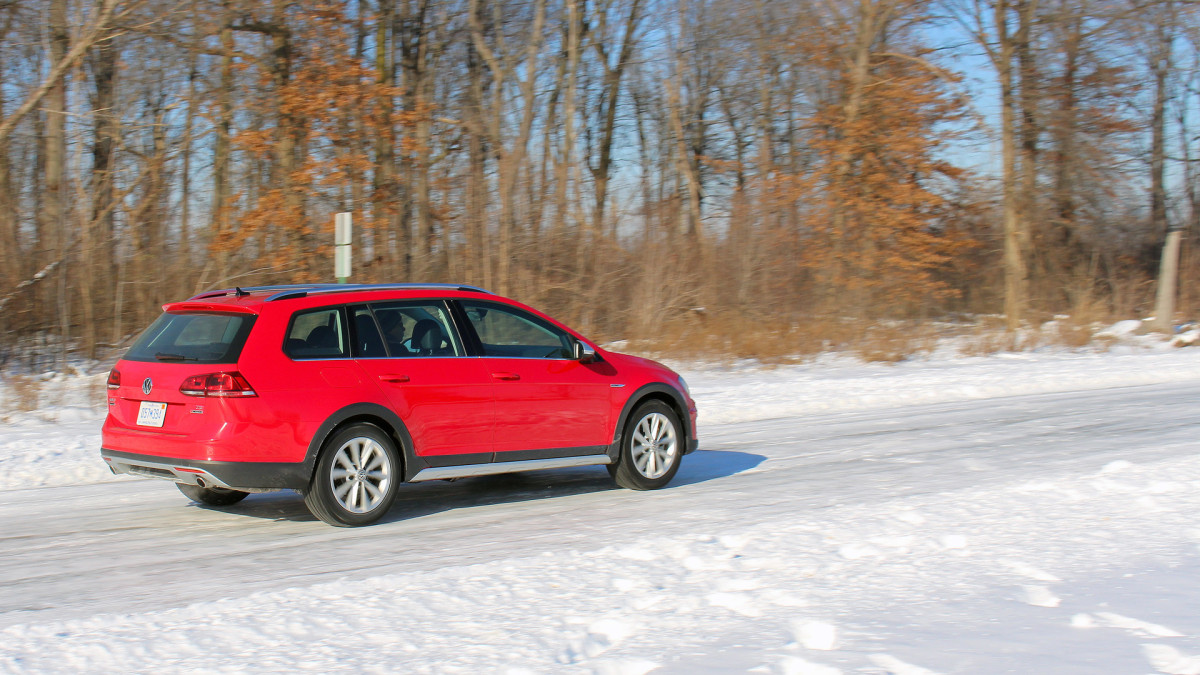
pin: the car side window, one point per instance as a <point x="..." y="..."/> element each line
<point x="508" y="331"/>
<point x="417" y="329"/>
<point x="368" y="343"/>
<point x="317" y="334"/>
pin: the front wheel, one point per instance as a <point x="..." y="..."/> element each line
<point x="356" y="477"/>
<point x="211" y="496"/>
<point x="651" y="447"/>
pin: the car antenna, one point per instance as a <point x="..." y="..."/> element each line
<point x="238" y="292"/>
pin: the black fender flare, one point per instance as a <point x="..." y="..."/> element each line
<point x="640" y="394"/>
<point x="398" y="432"/>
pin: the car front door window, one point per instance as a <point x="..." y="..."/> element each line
<point x="509" y="332"/>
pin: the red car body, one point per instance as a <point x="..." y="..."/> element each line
<point x="258" y="415"/>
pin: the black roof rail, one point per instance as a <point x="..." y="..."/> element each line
<point x="302" y="291"/>
<point x="252" y="289"/>
<point x="288" y="291"/>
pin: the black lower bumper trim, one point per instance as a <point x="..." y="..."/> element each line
<point x="251" y="475"/>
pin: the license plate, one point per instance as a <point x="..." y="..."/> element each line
<point x="151" y="414"/>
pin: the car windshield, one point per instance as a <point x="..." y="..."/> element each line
<point x="193" y="338"/>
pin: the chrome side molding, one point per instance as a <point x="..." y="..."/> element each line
<point x="464" y="471"/>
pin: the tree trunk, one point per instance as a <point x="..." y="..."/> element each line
<point x="685" y="163"/>
<point x="288" y="138"/>
<point x="51" y="219"/>
<point x="1164" y="306"/>
<point x="1029" y="98"/>
<point x="1015" y="275"/>
<point x="609" y="99"/>
<point x="222" y="138"/>
<point x="414" y="46"/>
<point x="1065" y="130"/>
<point x="11" y="267"/>
<point x="391" y="224"/>
<point x="477" y="160"/>
<point x="98" y="251"/>
<point x="51" y="225"/>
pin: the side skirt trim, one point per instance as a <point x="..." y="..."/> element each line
<point x="463" y="471"/>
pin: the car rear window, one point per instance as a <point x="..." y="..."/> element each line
<point x="193" y="337"/>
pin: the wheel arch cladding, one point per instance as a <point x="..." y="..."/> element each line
<point x="655" y="391"/>
<point x="370" y="413"/>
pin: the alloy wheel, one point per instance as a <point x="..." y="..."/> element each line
<point x="654" y="445"/>
<point x="360" y="475"/>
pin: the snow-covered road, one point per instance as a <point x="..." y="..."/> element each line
<point x="1052" y="533"/>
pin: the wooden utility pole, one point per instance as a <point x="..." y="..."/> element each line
<point x="1168" y="272"/>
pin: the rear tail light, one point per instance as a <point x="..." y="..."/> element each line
<point x="231" y="384"/>
<point x="114" y="378"/>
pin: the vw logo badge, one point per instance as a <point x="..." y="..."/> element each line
<point x="147" y="385"/>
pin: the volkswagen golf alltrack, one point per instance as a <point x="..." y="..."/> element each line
<point x="342" y="392"/>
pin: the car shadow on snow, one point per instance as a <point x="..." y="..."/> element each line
<point x="416" y="500"/>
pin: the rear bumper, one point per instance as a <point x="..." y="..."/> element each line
<point x="246" y="476"/>
<point x="267" y="441"/>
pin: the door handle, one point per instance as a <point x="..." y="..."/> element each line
<point x="394" y="378"/>
<point x="506" y="376"/>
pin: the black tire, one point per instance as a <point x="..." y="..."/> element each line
<point x="356" y="477"/>
<point x="211" y="496"/>
<point x="652" y="445"/>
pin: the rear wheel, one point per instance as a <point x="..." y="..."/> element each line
<point x="211" y="496"/>
<point x="356" y="477"/>
<point x="650" y="448"/>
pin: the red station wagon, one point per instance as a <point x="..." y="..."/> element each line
<point x="344" y="391"/>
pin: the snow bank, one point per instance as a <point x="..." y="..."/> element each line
<point x="749" y="392"/>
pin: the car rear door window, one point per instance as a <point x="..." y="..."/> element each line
<point x="317" y="334"/>
<point x="420" y="328"/>
<point x="368" y="342"/>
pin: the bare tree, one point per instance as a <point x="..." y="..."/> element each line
<point x="1160" y="65"/>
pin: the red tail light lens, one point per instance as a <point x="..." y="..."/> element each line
<point x="114" y="378"/>
<point x="217" y="384"/>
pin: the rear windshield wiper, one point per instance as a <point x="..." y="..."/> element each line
<point x="163" y="356"/>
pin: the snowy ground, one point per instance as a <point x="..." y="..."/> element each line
<point x="1029" y="513"/>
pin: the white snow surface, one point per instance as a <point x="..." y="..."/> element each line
<point x="1025" y="513"/>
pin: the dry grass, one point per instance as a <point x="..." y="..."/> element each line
<point x="24" y="393"/>
<point x="724" y="336"/>
<point x="775" y="342"/>
<point x="895" y="342"/>
<point x="986" y="337"/>
<point x="1077" y="329"/>
<point x="1068" y="332"/>
<point x="730" y="337"/>
<point x="97" y="389"/>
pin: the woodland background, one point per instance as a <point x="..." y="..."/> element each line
<point x="736" y="175"/>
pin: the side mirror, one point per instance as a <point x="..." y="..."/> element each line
<point x="584" y="353"/>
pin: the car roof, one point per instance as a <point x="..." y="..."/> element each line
<point x="251" y="298"/>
